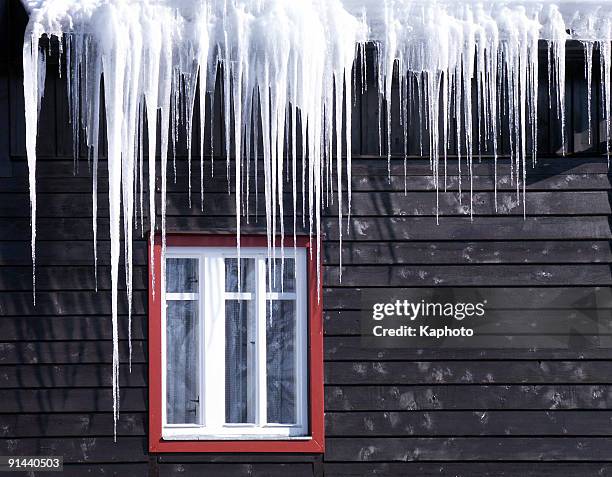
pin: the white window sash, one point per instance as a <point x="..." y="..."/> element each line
<point x="211" y="347"/>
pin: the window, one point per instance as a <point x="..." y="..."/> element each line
<point x="235" y="347"/>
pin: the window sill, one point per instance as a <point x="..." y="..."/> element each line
<point x="196" y="437"/>
<point x="294" y="445"/>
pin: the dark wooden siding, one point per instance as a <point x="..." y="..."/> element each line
<point x="388" y="412"/>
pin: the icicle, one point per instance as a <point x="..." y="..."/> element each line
<point x="165" y="93"/>
<point x="203" y="75"/>
<point x="338" y="128"/>
<point x="248" y="138"/>
<point x="226" y="89"/>
<point x="304" y="168"/>
<point x="129" y="154"/>
<point x="294" y="154"/>
<point x="236" y="75"/>
<point x="588" y="76"/>
<point x="67" y="39"/>
<point x="93" y="145"/>
<point x="34" y="71"/>
<point x="349" y="147"/>
<point x="468" y="74"/>
<point x="555" y="31"/>
<point x="114" y="62"/>
<point x="141" y="165"/>
<point x="445" y="130"/>
<point x="605" y="57"/>
<point x="151" y="92"/>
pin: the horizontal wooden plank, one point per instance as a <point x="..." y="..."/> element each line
<point x="105" y="470"/>
<point x="515" y="298"/>
<point x="68" y="303"/>
<point x="68" y="352"/>
<point x="52" y="229"/>
<point x="237" y="470"/>
<point x="65" y="328"/>
<point x="77" y="400"/>
<point x="341" y="398"/>
<point x="61" y="178"/>
<point x="468" y="423"/>
<point x="80" y="252"/>
<point x="505" y="322"/>
<point x="18" y="229"/>
<point x="83" y="277"/>
<point x="368" y="229"/>
<point x="466" y="397"/>
<point x="482" y="203"/>
<point x="75" y="252"/>
<point x="414" y="252"/>
<point x="461" y="252"/>
<point x="363" y="204"/>
<point x="55" y="205"/>
<point x="536" y="182"/>
<point x="58" y="176"/>
<point x="470" y="372"/>
<point x="50" y="278"/>
<point x="468" y="275"/>
<point x="481" y="228"/>
<point x="90" y="450"/>
<point x="467" y="469"/>
<point x="71" y="376"/>
<point x="337" y="373"/>
<point x="546" y="165"/>
<point x="60" y="167"/>
<point x="338" y="348"/>
<point x="468" y="448"/>
<point x="362" y="165"/>
<point x="79" y="425"/>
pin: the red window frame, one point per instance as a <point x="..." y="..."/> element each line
<point x="316" y="442"/>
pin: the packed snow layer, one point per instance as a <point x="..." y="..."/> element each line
<point x="289" y="65"/>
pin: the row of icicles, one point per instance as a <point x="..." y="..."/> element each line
<point x="286" y="110"/>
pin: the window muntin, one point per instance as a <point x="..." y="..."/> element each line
<point x="257" y="328"/>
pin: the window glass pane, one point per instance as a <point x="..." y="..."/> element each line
<point x="247" y="275"/>
<point x="182" y="275"/>
<point x="181" y="362"/>
<point x="280" y="362"/>
<point x="281" y="268"/>
<point x="239" y="361"/>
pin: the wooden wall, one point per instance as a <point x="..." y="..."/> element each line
<point x="470" y="413"/>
